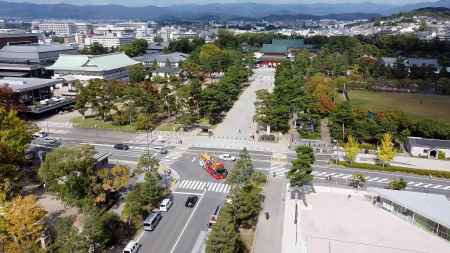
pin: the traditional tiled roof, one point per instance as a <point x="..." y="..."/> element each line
<point x="34" y="53"/>
<point x="280" y="46"/>
<point x="175" y="57"/>
<point x="428" y="143"/>
<point x="94" y="63"/>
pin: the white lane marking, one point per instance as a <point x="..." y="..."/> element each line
<point x="373" y="179"/>
<point x="221" y="188"/>
<point x="201" y="186"/>
<point x="437" y="186"/>
<point x="183" y="183"/>
<point x="446" y="188"/>
<point x="214" y="187"/>
<point x="227" y="189"/>
<point x="411" y="182"/>
<point x="188" y="193"/>
<point x="418" y="184"/>
<point x="384" y="180"/>
<point x="428" y="185"/>
<point x="330" y="174"/>
<point x="339" y="175"/>
<point x="197" y="184"/>
<point x="185" y="225"/>
<point x="322" y="173"/>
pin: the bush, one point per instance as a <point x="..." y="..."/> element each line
<point x="441" y="155"/>
<point x="421" y="172"/>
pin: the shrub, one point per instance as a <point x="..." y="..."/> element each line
<point x="441" y="155"/>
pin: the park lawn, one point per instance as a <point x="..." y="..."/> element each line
<point x="100" y="124"/>
<point x="418" y="105"/>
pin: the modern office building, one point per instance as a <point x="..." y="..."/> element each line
<point x="87" y="67"/>
<point x="58" y="28"/>
<point x="429" y="211"/>
<point x="110" y="40"/>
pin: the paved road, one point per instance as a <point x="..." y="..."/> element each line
<point x="241" y="115"/>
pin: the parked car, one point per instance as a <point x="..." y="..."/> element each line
<point x="165" y="205"/>
<point x="132" y="247"/>
<point x="191" y="201"/>
<point x="121" y="146"/>
<point x="227" y="157"/>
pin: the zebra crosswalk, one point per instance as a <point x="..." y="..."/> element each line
<point x="197" y="185"/>
<point x="381" y="180"/>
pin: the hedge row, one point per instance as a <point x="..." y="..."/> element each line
<point x="421" y="172"/>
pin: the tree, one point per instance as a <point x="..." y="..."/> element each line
<point x="398" y="185"/>
<point x="148" y="162"/>
<point x="224" y="237"/>
<point x="25" y="224"/>
<point x="242" y="171"/>
<point x="300" y="172"/>
<point x="358" y="180"/>
<point x="211" y="58"/>
<point x="103" y="229"/>
<point x="95" y="49"/>
<point x="152" y="191"/>
<point x="387" y="151"/>
<point x="137" y="73"/>
<point x="67" y="237"/>
<point x="134" y="210"/>
<point x="15" y="135"/>
<point x="246" y="204"/>
<point x="351" y="148"/>
<point x="110" y="181"/>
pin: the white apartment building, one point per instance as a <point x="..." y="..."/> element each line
<point x="110" y="40"/>
<point x="84" y="28"/>
<point x="58" y="28"/>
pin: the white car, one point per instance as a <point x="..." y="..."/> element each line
<point x="132" y="247"/>
<point x="165" y="205"/>
<point x="227" y="157"/>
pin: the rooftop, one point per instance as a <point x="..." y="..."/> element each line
<point x="34" y="53"/>
<point x="18" y="84"/>
<point x="282" y="45"/>
<point x="432" y="206"/>
<point x="428" y="143"/>
<point x="159" y="57"/>
<point x="93" y="63"/>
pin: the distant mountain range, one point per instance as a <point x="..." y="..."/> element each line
<point x="208" y="11"/>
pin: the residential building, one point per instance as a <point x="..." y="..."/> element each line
<point x="30" y="60"/>
<point x="17" y="37"/>
<point x="425" y="210"/>
<point x="429" y="148"/>
<point x="35" y="95"/>
<point x="58" y="28"/>
<point x="113" y="66"/>
<point x="84" y="28"/>
<point x="110" y="40"/>
<point x="173" y="59"/>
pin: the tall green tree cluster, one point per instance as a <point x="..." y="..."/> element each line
<point x="300" y="172"/>
<point x="72" y="174"/>
<point x="241" y="210"/>
<point x="123" y="104"/>
<point x="185" y="45"/>
<point x="15" y="135"/>
<point x="137" y="47"/>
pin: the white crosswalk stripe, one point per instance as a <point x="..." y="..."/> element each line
<point x="373" y="179"/>
<point x="203" y="185"/>
<point x="437" y="186"/>
<point x="411" y="182"/>
<point x="426" y="186"/>
<point x="418" y="184"/>
<point x="384" y="180"/>
<point x="446" y="188"/>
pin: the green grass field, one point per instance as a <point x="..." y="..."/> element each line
<point x="417" y="105"/>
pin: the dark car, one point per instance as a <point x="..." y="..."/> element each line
<point x="121" y="147"/>
<point x="191" y="201"/>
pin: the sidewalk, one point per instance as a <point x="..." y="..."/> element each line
<point x="269" y="232"/>
<point x="293" y="238"/>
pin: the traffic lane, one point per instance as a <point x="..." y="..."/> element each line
<point x="168" y="230"/>
<point x="257" y="155"/>
<point x="199" y="222"/>
<point x="392" y="176"/>
<point x="188" y="167"/>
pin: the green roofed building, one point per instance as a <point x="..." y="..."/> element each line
<point x="86" y="67"/>
<point x="279" y="50"/>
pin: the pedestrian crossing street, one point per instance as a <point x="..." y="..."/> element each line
<point x="381" y="180"/>
<point x="204" y="186"/>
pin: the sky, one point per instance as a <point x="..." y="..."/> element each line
<point x="170" y="2"/>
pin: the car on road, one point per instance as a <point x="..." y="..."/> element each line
<point x="132" y="247"/>
<point x="121" y="146"/>
<point x="161" y="149"/>
<point x="152" y="221"/>
<point x="165" y="205"/>
<point x="191" y="201"/>
<point x="227" y="157"/>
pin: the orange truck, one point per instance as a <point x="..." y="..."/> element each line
<point x="215" y="169"/>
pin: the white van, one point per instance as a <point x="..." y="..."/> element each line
<point x="132" y="247"/>
<point x="165" y="205"/>
<point x="152" y="221"/>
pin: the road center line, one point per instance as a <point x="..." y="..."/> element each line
<point x="185" y="225"/>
